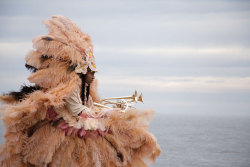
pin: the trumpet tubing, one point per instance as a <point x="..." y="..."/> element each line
<point x="120" y="102"/>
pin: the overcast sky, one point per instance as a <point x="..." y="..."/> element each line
<point x="189" y="57"/>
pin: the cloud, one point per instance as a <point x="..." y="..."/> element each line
<point x="179" y="84"/>
<point x="14" y="49"/>
<point x="233" y="53"/>
<point x="129" y="6"/>
<point x="12" y="80"/>
<point x="191" y="52"/>
<point x="141" y="23"/>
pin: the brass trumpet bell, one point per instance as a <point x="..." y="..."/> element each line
<point x="140" y="98"/>
<point x="136" y="99"/>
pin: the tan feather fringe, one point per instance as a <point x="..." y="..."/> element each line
<point x="48" y="146"/>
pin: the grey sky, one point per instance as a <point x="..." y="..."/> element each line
<point x="185" y="56"/>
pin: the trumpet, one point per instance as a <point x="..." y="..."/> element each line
<point x="120" y="102"/>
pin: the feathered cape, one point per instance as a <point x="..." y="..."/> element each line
<point x="31" y="140"/>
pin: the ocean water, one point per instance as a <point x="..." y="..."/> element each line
<point x="200" y="141"/>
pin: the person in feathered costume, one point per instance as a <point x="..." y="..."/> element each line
<point x="54" y="123"/>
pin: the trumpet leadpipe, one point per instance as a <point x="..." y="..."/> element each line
<point x="101" y="105"/>
<point x="117" y="98"/>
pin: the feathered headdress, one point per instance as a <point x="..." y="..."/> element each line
<point x="64" y="42"/>
<point x="55" y="61"/>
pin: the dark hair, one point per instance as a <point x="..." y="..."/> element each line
<point x="83" y="78"/>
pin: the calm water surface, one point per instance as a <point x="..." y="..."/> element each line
<point x="202" y="141"/>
